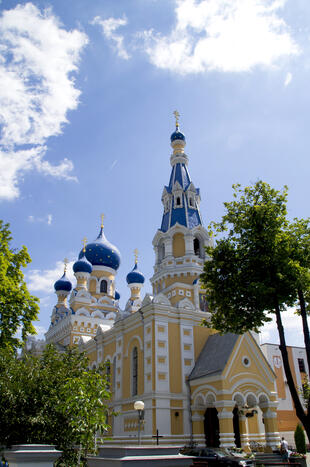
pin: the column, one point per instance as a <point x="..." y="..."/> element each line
<point x="168" y="246"/>
<point x="271" y="428"/>
<point x="189" y="244"/>
<point x="198" y="422"/>
<point x="227" y="435"/>
<point x="243" y="426"/>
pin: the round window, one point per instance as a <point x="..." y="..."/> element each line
<point x="246" y="361"/>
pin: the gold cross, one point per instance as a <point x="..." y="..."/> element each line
<point x="66" y="262"/>
<point x="102" y="217"/>
<point x="84" y="243"/>
<point x="136" y="255"/>
<point x="177" y="115"/>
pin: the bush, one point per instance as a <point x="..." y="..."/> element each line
<point x="300" y="439"/>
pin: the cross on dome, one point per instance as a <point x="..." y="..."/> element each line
<point x="66" y="262"/>
<point x="136" y="255"/>
<point x="84" y="243"/>
<point x="102" y="218"/>
<point x="177" y="115"/>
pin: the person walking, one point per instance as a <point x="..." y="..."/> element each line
<point x="284" y="449"/>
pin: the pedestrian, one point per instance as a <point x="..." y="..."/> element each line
<point x="284" y="449"/>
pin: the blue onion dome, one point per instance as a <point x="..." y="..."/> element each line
<point x="177" y="135"/>
<point x="82" y="265"/>
<point x="63" y="284"/>
<point x="135" y="276"/>
<point x="102" y="253"/>
<point x="117" y="295"/>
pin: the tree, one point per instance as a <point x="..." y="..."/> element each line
<point x="39" y="395"/>
<point x="17" y="307"/>
<point x="300" y="440"/>
<point x="261" y="265"/>
<point x="84" y="401"/>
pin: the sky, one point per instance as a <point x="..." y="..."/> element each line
<point x="87" y="94"/>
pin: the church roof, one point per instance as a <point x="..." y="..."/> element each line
<point x="214" y="355"/>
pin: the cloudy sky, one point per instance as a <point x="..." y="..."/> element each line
<point x="87" y="91"/>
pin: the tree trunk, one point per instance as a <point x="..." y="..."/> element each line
<point x="303" y="417"/>
<point x="303" y="314"/>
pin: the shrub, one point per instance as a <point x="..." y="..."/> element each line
<point x="300" y="439"/>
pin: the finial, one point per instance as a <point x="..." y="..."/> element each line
<point x="136" y="255"/>
<point x="84" y="244"/>
<point x="66" y="262"/>
<point x="177" y="115"/>
<point x="102" y="217"/>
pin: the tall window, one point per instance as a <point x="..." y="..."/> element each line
<point x="134" y="371"/>
<point x="108" y="373"/>
<point x="196" y="247"/>
<point x="178" y="201"/>
<point x="103" y="286"/>
<point x="301" y="364"/>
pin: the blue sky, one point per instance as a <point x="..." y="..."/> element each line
<point x="87" y="91"/>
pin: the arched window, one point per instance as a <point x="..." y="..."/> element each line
<point x="178" y="201"/>
<point x="103" y="286"/>
<point x="191" y="202"/>
<point x="108" y="373"/>
<point x="134" y="391"/>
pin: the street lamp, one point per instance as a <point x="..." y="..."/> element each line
<point x="139" y="406"/>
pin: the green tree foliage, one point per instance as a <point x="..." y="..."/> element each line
<point x="51" y="399"/>
<point x="17" y="307"/>
<point x="300" y="439"/>
<point x="260" y="264"/>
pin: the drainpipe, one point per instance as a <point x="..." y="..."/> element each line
<point x="191" y="439"/>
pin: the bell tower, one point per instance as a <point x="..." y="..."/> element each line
<point x="180" y="241"/>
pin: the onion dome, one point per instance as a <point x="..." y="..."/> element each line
<point x="102" y="253"/>
<point x="135" y="276"/>
<point x="117" y="295"/>
<point x="177" y="135"/>
<point x="63" y="284"/>
<point x="82" y="265"/>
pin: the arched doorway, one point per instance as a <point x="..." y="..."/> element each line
<point x="236" y="427"/>
<point x="212" y="428"/>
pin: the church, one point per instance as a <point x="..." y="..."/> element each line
<point x="196" y="385"/>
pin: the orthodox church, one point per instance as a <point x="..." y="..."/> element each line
<point x="196" y="384"/>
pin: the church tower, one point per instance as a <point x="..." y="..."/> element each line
<point x="180" y="241"/>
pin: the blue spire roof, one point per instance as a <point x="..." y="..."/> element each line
<point x="102" y="253"/>
<point x="135" y="276"/>
<point x="82" y="265"/>
<point x="183" y="213"/>
<point x="63" y="284"/>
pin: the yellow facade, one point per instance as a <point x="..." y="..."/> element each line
<point x="196" y="385"/>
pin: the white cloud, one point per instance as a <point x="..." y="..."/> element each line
<point x="42" y="280"/>
<point x="109" y="26"/>
<point x="37" y="89"/>
<point x="292" y="328"/>
<point x="48" y="219"/>
<point x="288" y="78"/>
<point x="222" y="35"/>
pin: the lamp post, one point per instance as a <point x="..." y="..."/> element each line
<point x="139" y="406"/>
